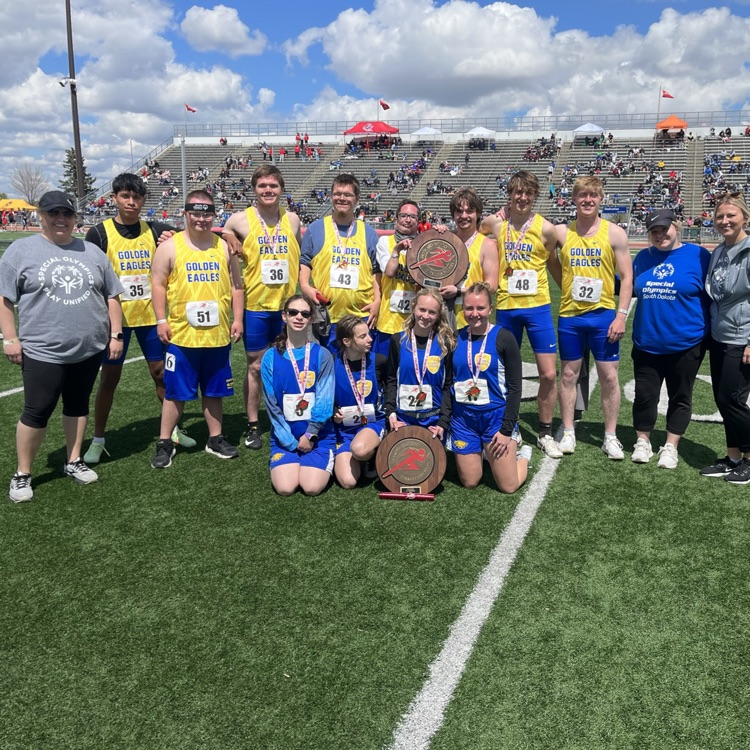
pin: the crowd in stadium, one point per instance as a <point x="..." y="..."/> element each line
<point x="343" y="344"/>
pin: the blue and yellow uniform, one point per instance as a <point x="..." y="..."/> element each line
<point x="199" y="298"/>
<point x="473" y="275"/>
<point x="270" y="276"/>
<point x="294" y="413"/>
<point x="397" y="295"/>
<point x="587" y="301"/>
<point x="490" y="404"/>
<point x="346" y="403"/>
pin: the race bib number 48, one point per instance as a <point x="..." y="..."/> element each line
<point x="522" y="283"/>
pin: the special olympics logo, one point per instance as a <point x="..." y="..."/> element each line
<point x="664" y="270"/>
<point x="67" y="278"/>
<point x="368" y="128"/>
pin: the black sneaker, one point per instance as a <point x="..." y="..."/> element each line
<point x="740" y="475"/>
<point x="221" y="447"/>
<point x="165" y="451"/>
<point x="20" y="488"/>
<point x="720" y="469"/>
<point x="252" y="439"/>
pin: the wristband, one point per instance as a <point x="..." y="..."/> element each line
<point x="9" y="342"/>
<point x="623" y="311"/>
<point x="162" y="320"/>
<point x="312" y="438"/>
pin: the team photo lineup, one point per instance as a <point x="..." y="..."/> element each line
<point x="344" y="345"/>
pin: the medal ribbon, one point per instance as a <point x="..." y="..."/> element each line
<point x="265" y="231"/>
<point x="359" y="394"/>
<point x="475" y="368"/>
<point x="515" y="254"/>
<point x="303" y="384"/>
<point x="428" y="349"/>
<point x="345" y="243"/>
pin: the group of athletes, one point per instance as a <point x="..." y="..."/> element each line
<point x="394" y="353"/>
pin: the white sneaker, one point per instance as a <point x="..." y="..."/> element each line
<point x="642" y="451"/>
<point x="524" y="452"/>
<point x="20" y="488"/>
<point x="613" y="448"/>
<point x="547" y="444"/>
<point x="668" y="457"/>
<point x="567" y="443"/>
<point x="78" y="470"/>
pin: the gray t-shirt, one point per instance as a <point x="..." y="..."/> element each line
<point x="62" y="293"/>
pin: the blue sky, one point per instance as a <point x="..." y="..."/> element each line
<point x="139" y="61"/>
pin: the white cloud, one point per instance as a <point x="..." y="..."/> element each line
<point x="221" y="30"/>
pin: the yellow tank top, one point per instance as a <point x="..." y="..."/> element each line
<point x="588" y="272"/>
<point x="343" y="273"/>
<point x="397" y="295"/>
<point x="199" y="295"/>
<point x="270" y="274"/>
<point x="531" y="257"/>
<point x="473" y="275"/>
<point x="131" y="260"/>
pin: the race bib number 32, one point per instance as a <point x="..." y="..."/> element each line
<point x="586" y="289"/>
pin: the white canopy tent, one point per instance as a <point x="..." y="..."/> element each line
<point x="480" y="132"/>
<point x="588" y="130"/>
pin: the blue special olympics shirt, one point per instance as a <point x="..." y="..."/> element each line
<point x="672" y="311"/>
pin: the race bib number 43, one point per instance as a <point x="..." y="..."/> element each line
<point x="345" y="278"/>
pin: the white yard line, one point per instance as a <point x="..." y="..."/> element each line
<point x="13" y="391"/>
<point x="426" y="714"/>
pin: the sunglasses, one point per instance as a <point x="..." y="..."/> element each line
<point x="66" y="212"/>
<point x="292" y="313"/>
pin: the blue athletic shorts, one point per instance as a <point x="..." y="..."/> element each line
<point x="381" y="342"/>
<point x="590" y="328"/>
<point x="344" y="437"/>
<point x="148" y="340"/>
<point x="261" y="329"/>
<point x="471" y="432"/>
<point x="320" y="457"/>
<point x="185" y="369"/>
<point x="538" y="324"/>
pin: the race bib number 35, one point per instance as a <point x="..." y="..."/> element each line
<point x="136" y="287"/>
<point x="202" y="314"/>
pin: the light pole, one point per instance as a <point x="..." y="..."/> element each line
<point x="81" y="185"/>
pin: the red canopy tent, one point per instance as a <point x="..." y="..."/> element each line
<point x="371" y="127"/>
<point x="671" y="123"/>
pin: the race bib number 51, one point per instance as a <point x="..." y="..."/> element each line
<point x="202" y="314"/>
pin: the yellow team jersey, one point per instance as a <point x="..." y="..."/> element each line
<point x="131" y="260"/>
<point x="343" y="273"/>
<point x="199" y="295"/>
<point x="397" y="295"/>
<point x="528" y="286"/>
<point x="473" y="275"/>
<point x="271" y="263"/>
<point x="588" y="272"/>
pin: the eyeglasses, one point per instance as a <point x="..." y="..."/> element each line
<point x="66" y="212"/>
<point x="292" y="313"/>
<point x="404" y="217"/>
<point x="344" y="195"/>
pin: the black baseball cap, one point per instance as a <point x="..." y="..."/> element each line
<point x="56" y="199"/>
<point x="661" y="218"/>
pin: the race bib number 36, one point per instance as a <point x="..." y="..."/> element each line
<point x="202" y="314"/>
<point x="274" y="272"/>
<point x="586" y="289"/>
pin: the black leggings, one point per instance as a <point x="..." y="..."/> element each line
<point x="731" y="384"/>
<point x="679" y="370"/>
<point x="45" y="382"/>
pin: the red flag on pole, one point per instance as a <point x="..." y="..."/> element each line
<point x="384" y="105"/>
<point x="666" y="95"/>
<point x="190" y="109"/>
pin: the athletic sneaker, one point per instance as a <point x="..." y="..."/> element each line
<point x="524" y="452"/>
<point x="547" y="444"/>
<point x="252" y="439"/>
<point x="94" y="454"/>
<point x="613" y="448"/>
<point x="78" y="470"/>
<point x="181" y="438"/>
<point x="668" y="457"/>
<point x="740" y="475"/>
<point x="642" y="451"/>
<point x="368" y="468"/>
<point x="165" y="451"/>
<point x="567" y="443"/>
<point x="20" y="488"/>
<point x="721" y="468"/>
<point x="221" y="447"/>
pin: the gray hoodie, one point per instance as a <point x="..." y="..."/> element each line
<point x="728" y="285"/>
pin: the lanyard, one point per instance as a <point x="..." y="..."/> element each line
<point x="345" y="243"/>
<point x="301" y="382"/>
<point x="474" y="367"/>
<point x="420" y="374"/>
<point x="359" y="393"/>
<point x="515" y="253"/>
<point x="275" y="242"/>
